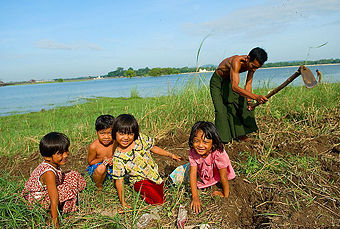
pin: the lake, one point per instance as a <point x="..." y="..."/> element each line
<point x="19" y="99"/>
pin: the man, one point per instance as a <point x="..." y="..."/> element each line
<point x="319" y="75"/>
<point x="234" y="118"/>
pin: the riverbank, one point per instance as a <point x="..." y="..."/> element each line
<point x="297" y="66"/>
<point x="107" y="77"/>
<point x="287" y="176"/>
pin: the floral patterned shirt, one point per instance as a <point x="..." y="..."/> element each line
<point x="68" y="185"/>
<point x="138" y="162"/>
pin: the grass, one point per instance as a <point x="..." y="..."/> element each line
<point x="21" y="133"/>
<point x="14" y="211"/>
<point x="290" y="119"/>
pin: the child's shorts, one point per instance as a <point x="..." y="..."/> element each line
<point x="91" y="169"/>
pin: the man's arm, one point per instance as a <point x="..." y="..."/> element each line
<point x="235" y="67"/>
<point x="249" y="81"/>
<point x="248" y="86"/>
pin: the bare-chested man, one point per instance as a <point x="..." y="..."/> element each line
<point x="101" y="151"/>
<point x="319" y="75"/>
<point x="234" y="118"/>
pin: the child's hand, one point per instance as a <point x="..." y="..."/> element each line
<point x="110" y="161"/>
<point x="218" y="193"/>
<point x="196" y="205"/>
<point x="250" y="108"/>
<point x="106" y="161"/>
<point x="176" y="157"/>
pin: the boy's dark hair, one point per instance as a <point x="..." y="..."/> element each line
<point x="125" y="124"/>
<point x="53" y="143"/>
<point x="209" y="131"/>
<point x="259" y="54"/>
<point x="104" y="122"/>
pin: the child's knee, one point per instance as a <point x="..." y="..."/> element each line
<point x="100" y="170"/>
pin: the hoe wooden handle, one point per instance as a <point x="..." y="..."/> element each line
<point x="279" y="88"/>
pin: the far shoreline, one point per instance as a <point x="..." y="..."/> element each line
<point x="292" y="66"/>
<point x="15" y="113"/>
<point x="299" y="66"/>
<point x="109" y="77"/>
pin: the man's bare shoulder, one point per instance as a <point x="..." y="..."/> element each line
<point x="237" y="59"/>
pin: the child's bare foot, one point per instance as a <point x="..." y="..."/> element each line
<point x="125" y="208"/>
<point x="99" y="189"/>
<point x="244" y="138"/>
<point x="217" y="193"/>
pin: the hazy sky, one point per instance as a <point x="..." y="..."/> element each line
<point x="65" y="39"/>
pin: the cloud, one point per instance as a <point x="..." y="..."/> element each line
<point x="270" y="17"/>
<point x="50" y="44"/>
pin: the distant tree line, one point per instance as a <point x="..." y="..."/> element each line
<point x="297" y="63"/>
<point x="119" y="72"/>
<point x="130" y="72"/>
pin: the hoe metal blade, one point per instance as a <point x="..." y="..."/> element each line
<point x="308" y="77"/>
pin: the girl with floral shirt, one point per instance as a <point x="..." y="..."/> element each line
<point x="133" y="156"/>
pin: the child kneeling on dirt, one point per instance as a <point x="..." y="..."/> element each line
<point x="208" y="161"/>
<point x="48" y="185"/>
<point x="101" y="151"/>
<point x="133" y="156"/>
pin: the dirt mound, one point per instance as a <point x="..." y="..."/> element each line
<point x="305" y="200"/>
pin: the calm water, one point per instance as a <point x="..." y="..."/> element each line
<point x="29" y="98"/>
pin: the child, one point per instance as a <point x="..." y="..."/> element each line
<point x="133" y="156"/>
<point x="101" y="150"/>
<point x="209" y="161"/>
<point x="48" y="185"/>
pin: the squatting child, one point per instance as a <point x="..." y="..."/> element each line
<point x="101" y="151"/>
<point x="208" y="161"/>
<point x="133" y="156"/>
<point x="48" y="184"/>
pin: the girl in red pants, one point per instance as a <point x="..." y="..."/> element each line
<point x="133" y="156"/>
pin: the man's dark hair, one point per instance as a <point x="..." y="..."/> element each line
<point x="53" y="143"/>
<point x="125" y="124"/>
<point x="104" y="122"/>
<point x="259" y="54"/>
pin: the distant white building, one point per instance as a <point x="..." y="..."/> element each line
<point x="98" y="78"/>
<point x="202" y="70"/>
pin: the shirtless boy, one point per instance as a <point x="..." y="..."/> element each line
<point x="234" y="118"/>
<point x="101" y="151"/>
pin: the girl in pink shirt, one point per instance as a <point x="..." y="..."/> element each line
<point x="208" y="161"/>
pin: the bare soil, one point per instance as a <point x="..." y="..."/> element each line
<point x="252" y="204"/>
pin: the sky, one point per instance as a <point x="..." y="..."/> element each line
<point x="64" y="39"/>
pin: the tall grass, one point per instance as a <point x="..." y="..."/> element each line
<point x="14" y="212"/>
<point x="21" y="133"/>
<point x="295" y="109"/>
